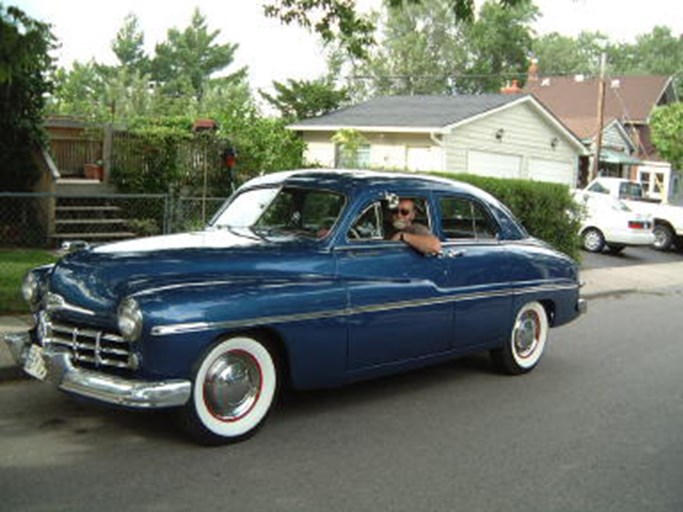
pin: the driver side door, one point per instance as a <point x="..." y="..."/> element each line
<point x="398" y="310"/>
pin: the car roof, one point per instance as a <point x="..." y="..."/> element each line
<point x="344" y="180"/>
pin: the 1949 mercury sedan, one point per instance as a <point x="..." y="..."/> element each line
<point x="295" y="282"/>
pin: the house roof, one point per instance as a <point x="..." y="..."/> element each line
<point x="425" y="114"/>
<point x="407" y="113"/>
<point x="574" y="99"/>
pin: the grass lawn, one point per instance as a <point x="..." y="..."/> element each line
<point x="13" y="266"/>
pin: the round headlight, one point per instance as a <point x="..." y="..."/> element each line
<point x="29" y="288"/>
<point x="130" y="319"/>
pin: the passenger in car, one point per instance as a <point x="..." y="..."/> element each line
<point x="416" y="235"/>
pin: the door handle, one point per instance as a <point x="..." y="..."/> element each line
<point x="454" y="253"/>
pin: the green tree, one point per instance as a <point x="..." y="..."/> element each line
<point x="25" y="65"/>
<point x="301" y="99"/>
<point x="338" y="20"/>
<point x="667" y="133"/>
<point x="562" y="55"/>
<point x="192" y="56"/>
<point x="657" y="53"/>
<point x="498" y="45"/>
<point x="78" y="92"/>
<point x="424" y="50"/>
<point x="129" y="46"/>
<point x="420" y="49"/>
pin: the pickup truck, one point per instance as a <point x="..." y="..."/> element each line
<point x="668" y="219"/>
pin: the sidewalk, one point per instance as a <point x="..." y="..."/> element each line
<point x="599" y="282"/>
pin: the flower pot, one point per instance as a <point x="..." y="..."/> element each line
<point x="94" y="172"/>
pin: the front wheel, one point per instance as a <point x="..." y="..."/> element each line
<point x="522" y="351"/>
<point x="233" y="390"/>
<point x="593" y="240"/>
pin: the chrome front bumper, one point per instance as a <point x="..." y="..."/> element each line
<point x="99" y="386"/>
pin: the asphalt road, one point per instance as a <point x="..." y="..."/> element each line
<point x="629" y="256"/>
<point x="596" y="427"/>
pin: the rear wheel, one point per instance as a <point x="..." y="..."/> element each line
<point x="593" y="240"/>
<point x="664" y="237"/>
<point x="233" y="390"/>
<point x="522" y="351"/>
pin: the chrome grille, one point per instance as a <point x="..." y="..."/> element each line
<point x="88" y="347"/>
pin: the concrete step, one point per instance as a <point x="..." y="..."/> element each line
<point x="98" y="236"/>
<point x="62" y="222"/>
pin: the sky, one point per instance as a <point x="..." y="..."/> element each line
<point x="86" y="28"/>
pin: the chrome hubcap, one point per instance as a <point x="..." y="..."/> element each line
<point x="232" y="385"/>
<point x="592" y="241"/>
<point x="526" y="334"/>
<point x="661" y="238"/>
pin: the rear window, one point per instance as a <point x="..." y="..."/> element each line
<point x="462" y="218"/>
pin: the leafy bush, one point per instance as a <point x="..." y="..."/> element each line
<point x="546" y="210"/>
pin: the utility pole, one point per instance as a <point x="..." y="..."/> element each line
<point x="601" y="118"/>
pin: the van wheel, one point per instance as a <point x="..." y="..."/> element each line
<point x="524" y="348"/>
<point x="664" y="237"/>
<point x="233" y="389"/>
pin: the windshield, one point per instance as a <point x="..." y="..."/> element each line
<point x="289" y="210"/>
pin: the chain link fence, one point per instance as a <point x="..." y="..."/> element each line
<point x="33" y="226"/>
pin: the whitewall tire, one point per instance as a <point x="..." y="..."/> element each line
<point x="233" y="389"/>
<point x="523" y="349"/>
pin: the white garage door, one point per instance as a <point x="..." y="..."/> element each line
<point x="484" y="163"/>
<point x="552" y="171"/>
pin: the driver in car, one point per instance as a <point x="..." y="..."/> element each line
<point x="416" y="235"/>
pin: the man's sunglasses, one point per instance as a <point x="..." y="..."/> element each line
<point x="403" y="211"/>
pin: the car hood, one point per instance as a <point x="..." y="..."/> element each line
<point x="96" y="279"/>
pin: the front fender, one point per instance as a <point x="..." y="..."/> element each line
<point x="180" y="322"/>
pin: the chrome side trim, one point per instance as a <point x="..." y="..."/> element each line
<point x="110" y="389"/>
<point x="164" y="330"/>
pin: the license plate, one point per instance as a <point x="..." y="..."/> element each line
<point x="34" y="364"/>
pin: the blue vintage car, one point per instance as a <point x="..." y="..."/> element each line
<point x="304" y="279"/>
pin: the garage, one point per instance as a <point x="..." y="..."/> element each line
<point x="496" y="165"/>
<point x="551" y="171"/>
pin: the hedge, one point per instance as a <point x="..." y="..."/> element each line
<point x="546" y="210"/>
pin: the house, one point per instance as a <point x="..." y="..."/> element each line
<point x="628" y="104"/>
<point x="507" y="136"/>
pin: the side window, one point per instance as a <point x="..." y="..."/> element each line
<point x="376" y="220"/>
<point x="353" y="157"/>
<point x="462" y="218"/>
<point x="597" y="187"/>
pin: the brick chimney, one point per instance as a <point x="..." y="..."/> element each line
<point x="511" y="88"/>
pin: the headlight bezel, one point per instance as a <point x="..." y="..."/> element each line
<point x="30" y="288"/>
<point x="129" y="319"/>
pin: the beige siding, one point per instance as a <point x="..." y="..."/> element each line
<point x="387" y="151"/>
<point x="526" y="134"/>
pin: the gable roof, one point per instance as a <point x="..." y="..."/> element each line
<point x="407" y="113"/>
<point x="574" y="99"/>
<point x="425" y="114"/>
